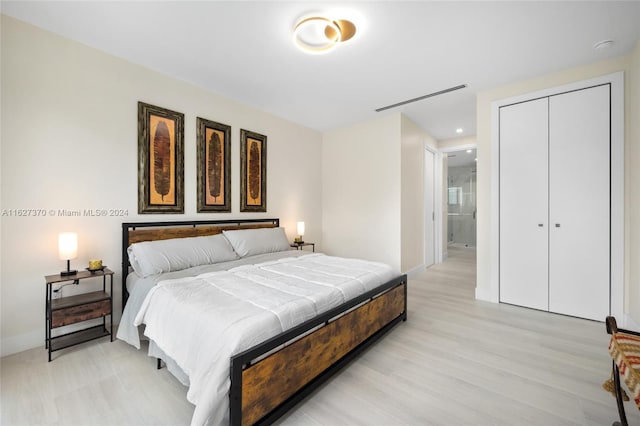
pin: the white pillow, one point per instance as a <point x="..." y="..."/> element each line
<point x="249" y="242"/>
<point x="155" y="257"/>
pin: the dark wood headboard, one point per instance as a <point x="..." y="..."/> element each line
<point x="135" y="232"/>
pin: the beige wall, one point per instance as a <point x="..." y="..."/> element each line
<point x="485" y="159"/>
<point x="413" y="141"/>
<point x="373" y="191"/>
<point x="69" y="141"/>
<point x="361" y="191"/>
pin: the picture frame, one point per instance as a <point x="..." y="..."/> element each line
<point x="160" y="160"/>
<point x="213" y="166"/>
<point x="253" y="172"/>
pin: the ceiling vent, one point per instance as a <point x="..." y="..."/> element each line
<point x="430" y="95"/>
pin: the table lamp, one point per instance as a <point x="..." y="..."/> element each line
<point x="67" y="250"/>
<point x="298" y="239"/>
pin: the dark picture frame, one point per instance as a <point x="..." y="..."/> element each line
<point x="214" y="166"/>
<point x="253" y="172"/>
<point x="160" y="160"/>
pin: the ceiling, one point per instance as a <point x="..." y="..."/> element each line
<point x="402" y="50"/>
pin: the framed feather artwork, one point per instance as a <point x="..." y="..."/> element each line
<point x="214" y="166"/>
<point x="253" y="172"/>
<point x="160" y="160"/>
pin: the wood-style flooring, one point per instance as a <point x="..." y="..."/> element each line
<point x="456" y="361"/>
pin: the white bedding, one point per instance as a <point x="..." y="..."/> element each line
<point x="200" y="322"/>
<point x="139" y="287"/>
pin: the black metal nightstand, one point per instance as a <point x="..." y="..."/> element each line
<point x="299" y="246"/>
<point x="81" y="307"/>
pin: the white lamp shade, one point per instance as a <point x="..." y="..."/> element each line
<point x="68" y="245"/>
<point x="300" y="228"/>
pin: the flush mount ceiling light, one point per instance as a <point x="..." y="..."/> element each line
<point x="603" y="44"/>
<point x="318" y="34"/>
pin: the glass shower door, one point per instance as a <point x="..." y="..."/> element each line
<point x="462" y="206"/>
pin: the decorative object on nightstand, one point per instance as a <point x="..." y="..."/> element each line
<point x="95" y="265"/>
<point x="298" y="239"/>
<point x="77" y="308"/>
<point x="67" y="250"/>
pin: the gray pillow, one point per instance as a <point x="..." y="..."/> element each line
<point x="155" y="257"/>
<point x="249" y="242"/>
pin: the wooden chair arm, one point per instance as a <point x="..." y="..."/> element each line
<point x="612" y="327"/>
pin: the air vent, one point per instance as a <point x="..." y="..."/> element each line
<point x="430" y="95"/>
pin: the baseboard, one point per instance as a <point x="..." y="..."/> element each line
<point x="22" y="342"/>
<point x="630" y="323"/>
<point x="413" y="272"/>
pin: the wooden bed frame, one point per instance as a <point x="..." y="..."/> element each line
<point x="264" y="387"/>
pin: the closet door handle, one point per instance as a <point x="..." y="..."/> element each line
<point x="557" y="225"/>
<point x="540" y="225"/>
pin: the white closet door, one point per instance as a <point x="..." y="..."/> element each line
<point x="579" y="197"/>
<point x="524" y="204"/>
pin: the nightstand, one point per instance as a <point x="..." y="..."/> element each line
<point x="299" y="246"/>
<point x="77" y="308"/>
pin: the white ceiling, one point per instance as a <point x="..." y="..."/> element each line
<point x="243" y="50"/>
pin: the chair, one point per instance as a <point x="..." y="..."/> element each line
<point x="624" y="348"/>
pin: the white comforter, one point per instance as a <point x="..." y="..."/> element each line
<point x="200" y="322"/>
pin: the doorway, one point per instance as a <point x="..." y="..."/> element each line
<point x="461" y="198"/>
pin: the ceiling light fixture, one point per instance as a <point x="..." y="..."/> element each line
<point x="459" y="130"/>
<point x="317" y="34"/>
<point x="603" y="44"/>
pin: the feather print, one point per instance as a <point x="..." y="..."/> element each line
<point x="254" y="171"/>
<point x="214" y="165"/>
<point x="162" y="159"/>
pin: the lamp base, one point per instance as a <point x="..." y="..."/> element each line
<point x="67" y="273"/>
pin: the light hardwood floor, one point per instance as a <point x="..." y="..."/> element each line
<point x="456" y="361"/>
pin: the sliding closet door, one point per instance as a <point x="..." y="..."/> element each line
<point x="579" y="199"/>
<point x="524" y="204"/>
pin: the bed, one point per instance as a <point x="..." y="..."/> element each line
<point x="254" y="330"/>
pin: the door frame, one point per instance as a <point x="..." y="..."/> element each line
<point x="617" y="186"/>
<point x="434" y="194"/>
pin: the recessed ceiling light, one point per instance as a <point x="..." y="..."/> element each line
<point x="317" y="34"/>
<point x="603" y="44"/>
<point x="459" y="130"/>
<point x="476" y="159"/>
<point x="469" y="151"/>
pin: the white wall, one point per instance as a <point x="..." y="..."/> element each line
<point x="485" y="160"/>
<point x="361" y="191"/>
<point x="632" y="166"/>
<point x="69" y="141"/>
